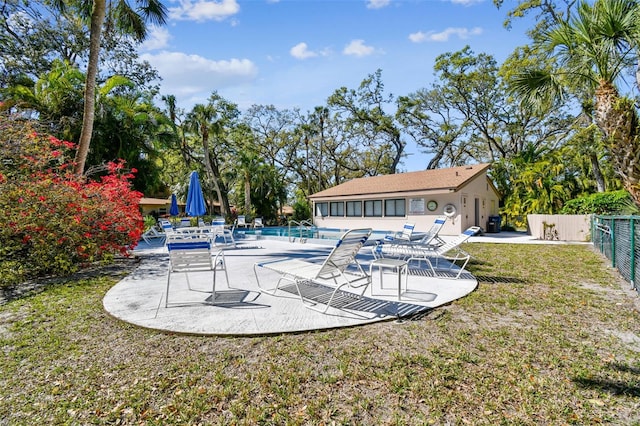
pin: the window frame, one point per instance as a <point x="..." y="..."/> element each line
<point x="353" y="204"/>
<point x="339" y="207"/>
<point x="396" y="202"/>
<point x="373" y="204"/>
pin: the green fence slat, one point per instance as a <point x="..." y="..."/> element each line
<point x="621" y="250"/>
<point x="612" y="227"/>
<point x="633" y="250"/>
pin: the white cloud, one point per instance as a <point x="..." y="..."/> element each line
<point x="377" y="4"/>
<point x="157" y="38"/>
<point x="193" y="76"/>
<point x="203" y="10"/>
<point x="417" y="37"/>
<point x="301" y="51"/>
<point x="461" y="33"/>
<point x="357" y="48"/>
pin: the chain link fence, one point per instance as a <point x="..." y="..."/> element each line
<point x="618" y="238"/>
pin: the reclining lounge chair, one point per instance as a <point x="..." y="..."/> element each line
<point x="153" y="232"/>
<point x="450" y="251"/>
<point x="331" y="272"/>
<point x="432" y="238"/>
<point x="401" y="236"/>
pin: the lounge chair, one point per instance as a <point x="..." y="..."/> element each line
<point x="450" y="251"/>
<point x="432" y="237"/>
<point x="154" y="232"/>
<point x="257" y="222"/>
<point x="191" y="254"/>
<point x="331" y="272"/>
<point x="404" y="235"/>
<point x="185" y="222"/>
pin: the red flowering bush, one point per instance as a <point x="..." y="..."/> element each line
<point x="53" y="222"/>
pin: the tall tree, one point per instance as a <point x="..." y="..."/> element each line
<point x="119" y="15"/>
<point x="594" y="50"/>
<point x="548" y="12"/>
<point x="365" y="117"/>
<point x="467" y="115"/>
<point x="212" y="124"/>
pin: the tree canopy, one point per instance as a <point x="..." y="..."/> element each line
<point x="551" y="118"/>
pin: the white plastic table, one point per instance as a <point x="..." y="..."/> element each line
<point x="397" y="265"/>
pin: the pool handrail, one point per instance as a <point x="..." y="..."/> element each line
<point x="303" y="225"/>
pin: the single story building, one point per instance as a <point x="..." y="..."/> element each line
<point x="156" y="207"/>
<point x="464" y="194"/>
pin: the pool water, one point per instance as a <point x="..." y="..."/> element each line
<point x="304" y="232"/>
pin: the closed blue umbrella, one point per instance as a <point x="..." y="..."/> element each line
<point x="195" y="199"/>
<point x="174" y="211"/>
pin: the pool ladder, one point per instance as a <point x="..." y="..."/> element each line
<point x="301" y="229"/>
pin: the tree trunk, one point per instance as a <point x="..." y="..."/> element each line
<point x="247" y="193"/>
<point x="213" y="172"/>
<point x="97" y="19"/>
<point x="597" y="173"/>
<point x="618" y="119"/>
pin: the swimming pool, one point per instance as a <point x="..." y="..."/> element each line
<point x="303" y="233"/>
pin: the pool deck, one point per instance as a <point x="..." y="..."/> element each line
<point x="140" y="297"/>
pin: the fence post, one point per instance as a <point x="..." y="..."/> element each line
<point x="632" y="225"/>
<point x="612" y="227"/>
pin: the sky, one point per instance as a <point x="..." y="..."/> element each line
<point x="296" y="53"/>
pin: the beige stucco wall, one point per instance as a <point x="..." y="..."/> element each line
<point x="574" y="227"/>
<point x="463" y="201"/>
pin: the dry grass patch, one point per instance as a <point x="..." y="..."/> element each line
<point x="549" y="337"/>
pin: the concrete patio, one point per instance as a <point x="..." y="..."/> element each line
<point x="242" y="309"/>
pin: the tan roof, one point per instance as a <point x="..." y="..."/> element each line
<point x="154" y="201"/>
<point x="452" y="178"/>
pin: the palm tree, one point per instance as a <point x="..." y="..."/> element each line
<point x="593" y="51"/>
<point x="123" y="18"/>
<point x="205" y="122"/>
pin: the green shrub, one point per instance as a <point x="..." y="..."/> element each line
<point x="149" y="222"/>
<point x="614" y="202"/>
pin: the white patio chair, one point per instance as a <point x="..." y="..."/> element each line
<point x="241" y="222"/>
<point x="167" y="229"/>
<point x="257" y="222"/>
<point x="220" y="230"/>
<point x="449" y="251"/>
<point x="331" y="272"/>
<point x="192" y="254"/>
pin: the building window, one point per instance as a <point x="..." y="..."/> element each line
<point x="322" y="209"/>
<point x="395" y="207"/>
<point x="354" y="208"/>
<point x="337" y="208"/>
<point x="373" y="208"/>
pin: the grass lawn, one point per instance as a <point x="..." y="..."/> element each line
<point x="550" y="337"/>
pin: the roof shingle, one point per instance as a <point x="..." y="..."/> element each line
<point x="428" y="180"/>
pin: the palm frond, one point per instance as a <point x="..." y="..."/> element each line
<point x="536" y="89"/>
